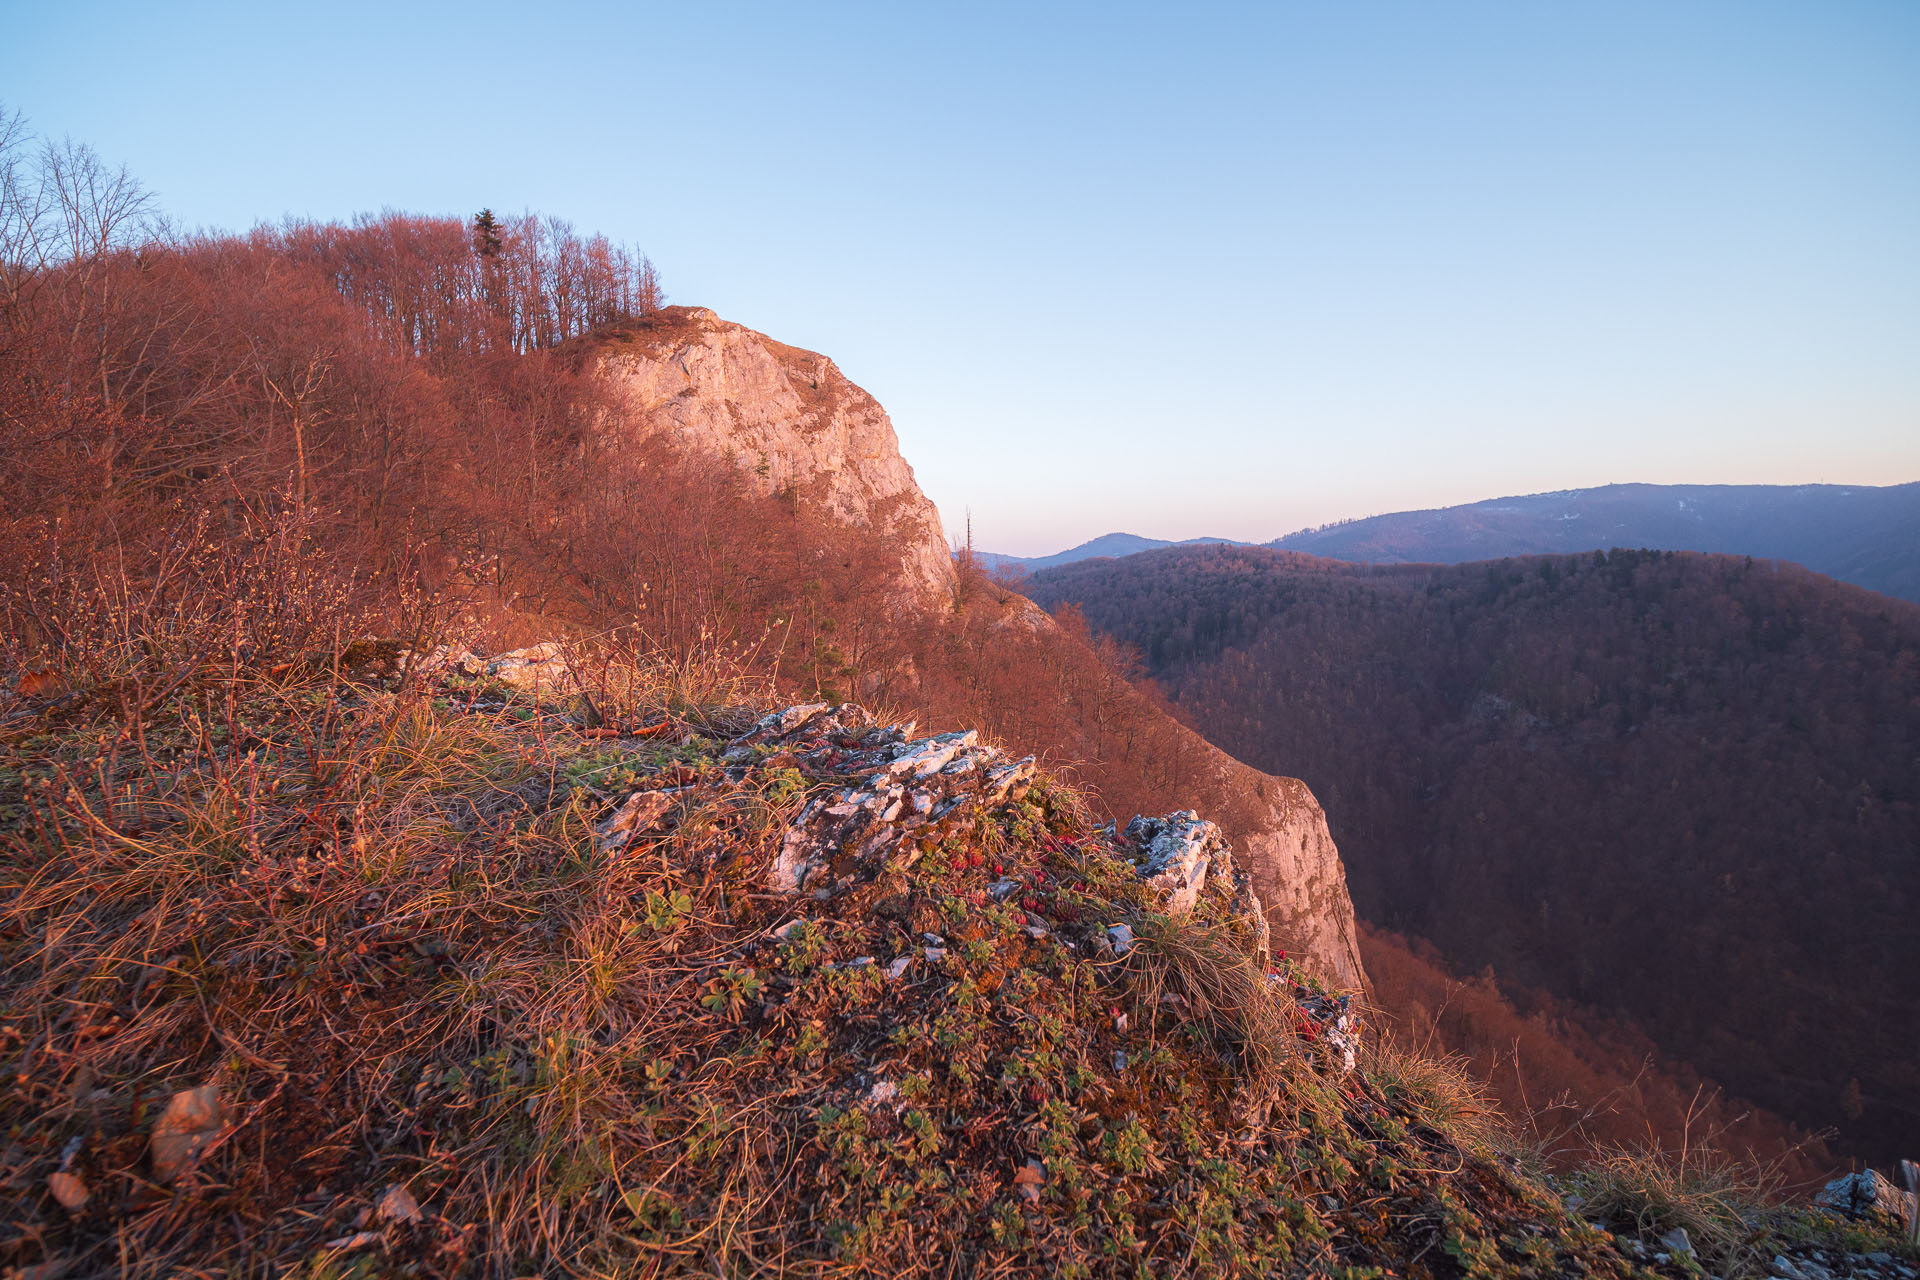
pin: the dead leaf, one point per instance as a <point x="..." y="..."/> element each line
<point x="69" y="1191"/>
<point x="34" y="684"/>
<point x="358" y="1240"/>
<point x="1029" y="1179"/>
<point x="191" y="1121"/>
<point x="396" y="1204"/>
<point x="51" y="1270"/>
<point x="642" y="810"/>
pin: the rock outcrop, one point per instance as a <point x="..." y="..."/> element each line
<point x="794" y="422"/>
<point x="788" y="417"/>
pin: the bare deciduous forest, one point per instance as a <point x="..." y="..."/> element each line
<point x="1678" y="788"/>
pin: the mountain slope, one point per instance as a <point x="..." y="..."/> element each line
<point x="1683" y="788"/>
<point x="1860" y="534"/>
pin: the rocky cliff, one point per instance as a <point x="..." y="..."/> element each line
<point x="1280" y="835"/>
<point x="787" y="416"/>
<point x="795" y="422"/>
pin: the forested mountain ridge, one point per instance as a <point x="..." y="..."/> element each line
<point x="1682" y="788"/>
<point x="1866" y="535"/>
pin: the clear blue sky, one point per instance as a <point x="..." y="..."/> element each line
<point x="1178" y="270"/>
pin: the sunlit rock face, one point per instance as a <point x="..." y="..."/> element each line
<point x="788" y="417"/>
<point x="1280" y="837"/>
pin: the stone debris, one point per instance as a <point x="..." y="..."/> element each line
<point x="844" y="838"/>
<point x="889" y="788"/>
<point x="540" y="668"/>
<point x="1869" y="1196"/>
<point x="396" y="1204"/>
<point x="1325" y="1023"/>
<point x="1181" y="854"/>
<point x="1677" y="1241"/>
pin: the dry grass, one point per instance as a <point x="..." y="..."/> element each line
<point x="1718" y="1202"/>
<point x="1439" y="1091"/>
<point x="1205" y="972"/>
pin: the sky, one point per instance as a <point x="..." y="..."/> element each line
<point x="1178" y="270"/>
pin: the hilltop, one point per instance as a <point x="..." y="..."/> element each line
<point x="362" y="962"/>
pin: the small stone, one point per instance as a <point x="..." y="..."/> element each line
<point x="1001" y="890"/>
<point x="191" y="1121"/>
<point x="1119" y="1059"/>
<point x="1677" y="1242"/>
<point x="934" y="955"/>
<point x="69" y="1190"/>
<point x="898" y="968"/>
<point x="1120" y="938"/>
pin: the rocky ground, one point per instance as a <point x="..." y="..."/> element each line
<point x="477" y="973"/>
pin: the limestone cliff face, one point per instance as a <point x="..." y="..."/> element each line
<point x="793" y="421"/>
<point x="788" y="417"/>
<point x="1279" y="836"/>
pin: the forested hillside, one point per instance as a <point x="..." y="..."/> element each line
<point x="1681" y="788"/>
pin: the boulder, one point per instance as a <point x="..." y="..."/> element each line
<point x="1869" y="1196"/>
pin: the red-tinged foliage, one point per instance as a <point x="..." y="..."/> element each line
<point x="390" y="422"/>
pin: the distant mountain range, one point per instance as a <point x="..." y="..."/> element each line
<point x="1107" y="544"/>
<point x="1866" y="535"/>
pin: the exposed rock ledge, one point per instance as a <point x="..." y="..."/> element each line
<point x="894" y="786"/>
